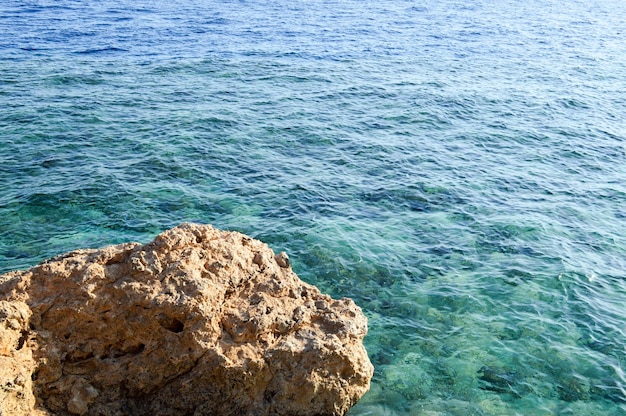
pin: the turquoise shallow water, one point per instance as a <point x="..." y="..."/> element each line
<point x="457" y="169"/>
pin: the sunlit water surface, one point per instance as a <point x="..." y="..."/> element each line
<point x="458" y="168"/>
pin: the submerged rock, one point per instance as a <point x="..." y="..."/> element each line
<point x="197" y="322"/>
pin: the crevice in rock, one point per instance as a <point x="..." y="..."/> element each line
<point x="22" y="340"/>
<point x="171" y="324"/>
<point x="175" y="377"/>
<point x="78" y="357"/>
<point x="136" y="349"/>
<point x="113" y="352"/>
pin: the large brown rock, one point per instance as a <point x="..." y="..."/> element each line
<point x="197" y="322"/>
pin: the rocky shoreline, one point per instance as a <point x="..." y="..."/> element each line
<point x="197" y="322"/>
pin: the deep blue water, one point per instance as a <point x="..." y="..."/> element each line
<point x="458" y="168"/>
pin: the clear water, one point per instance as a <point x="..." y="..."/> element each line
<point x="457" y="168"/>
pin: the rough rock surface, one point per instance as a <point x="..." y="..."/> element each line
<point x="197" y="322"/>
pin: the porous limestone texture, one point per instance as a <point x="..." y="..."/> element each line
<point x="197" y="322"/>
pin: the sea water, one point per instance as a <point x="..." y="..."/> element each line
<point x="456" y="167"/>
